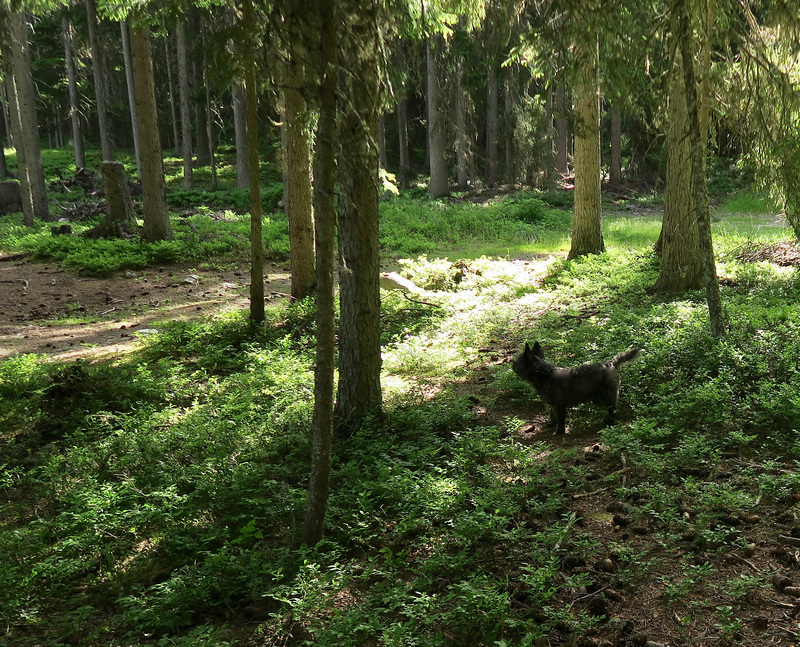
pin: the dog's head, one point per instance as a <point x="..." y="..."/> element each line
<point x="528" y="360"/>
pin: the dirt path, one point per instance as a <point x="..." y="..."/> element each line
<point x="47" y="310"/>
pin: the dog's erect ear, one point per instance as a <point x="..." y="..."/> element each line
<point x="538" y="350"/>
<point x="527" y="348"/>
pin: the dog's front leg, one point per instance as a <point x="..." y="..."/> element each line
<point x="560" y="418"/>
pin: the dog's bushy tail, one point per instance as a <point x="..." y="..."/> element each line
<point x="628" y="356"/>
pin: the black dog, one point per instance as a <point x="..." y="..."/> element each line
<point x="564" y="387"/>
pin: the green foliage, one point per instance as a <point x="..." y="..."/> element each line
<point x="201" y="236"/>
<point x="417" y="227"/>
<point x="162" y="494"/>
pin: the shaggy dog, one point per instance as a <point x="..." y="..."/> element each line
<point x="562" y="388"/>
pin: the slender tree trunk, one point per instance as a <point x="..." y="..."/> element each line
<point x="74" y="103"/>
<point x="325" y="230"/>
<point x="587" y="234"/>
<point x="492" y="125"/>
<point x="127" y="55"/>
<point x="240" y="133"/>
<point x="173" y="94"/>
<point x="154" y="191"/>
<point x="99" y="81"/>
<point x="615" y="171"/>
<point x="437" y="147"/>
<point x="26" y="101"/>
<point x="257" y="313"/>
<point x="694" y="108"/>
<point x="186" y="120"/>
<point x="298" y="187"/>
<point x="359" y="391"/>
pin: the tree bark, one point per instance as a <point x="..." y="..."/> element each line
<point x="74" y="103"/>
<point x="240" y="134"/>
<point x="437" y="148"/>
<point x="587" y="234"/>
<point x="127" y="56"/>
<point x="99" y="81"/>
<point x="359" y="391"/>
<point x="186" y="120"/>
<point x="26" y="101"/>
<point x="325" y="230"/>
<point x="154" y="191"/>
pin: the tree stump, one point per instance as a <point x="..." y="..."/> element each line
<point x="120" y="221"/>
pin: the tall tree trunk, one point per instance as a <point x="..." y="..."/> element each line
<point x="154" y="191"/>
<point x="186" y="120"/>
<point x="510" y="131"/>
<point x="212" y="160"/>
<point x="74" y="103"/>
<point x="587" y="234"/>
<point x="402" y="125"/>
<point x="560" y="132"/>
<point x="615" y="170"/>
<point x="26" y="101"/>
<point x="173" y="95"/>
<point x="26" y="197"/>
<point x="492" y="125"/>
<point x="382" y="141"/>
<point x="679" y="242"/>
<point x="359" y="392"/>
<point x="437" y="147"/>
<point x="202" y="116"/>
<point x="99" y="81"/>
<point x="298" y="186"/>
<point x="127" y="55"/>
<point x="325" y="230"/>
<point x="257" y="313"/>
<point x="240" y="133"/>
<point x="462" y="132"/>
<point x="694" y="108"/>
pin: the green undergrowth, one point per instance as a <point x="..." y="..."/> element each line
<point x="158" y="499"/>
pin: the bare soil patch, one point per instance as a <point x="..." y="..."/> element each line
<point x="51" y="311"/>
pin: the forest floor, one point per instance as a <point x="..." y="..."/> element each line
<point x="51" y="311"/>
